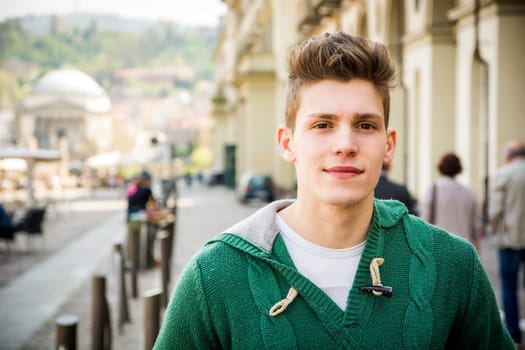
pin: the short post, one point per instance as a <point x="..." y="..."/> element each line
<point x="66" y="332"/>
<point x="163" y="237"/>
<point x="170" y="228"/>
<point x="151" y="317"/>
<point x="151" y="231"/>
<point x="133" y="254"/>
<point x="172" y="204"/>
<point x="123" y="308"/>
<point x="100" y="318"/>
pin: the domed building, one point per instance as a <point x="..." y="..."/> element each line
<point x="66" y="109"/>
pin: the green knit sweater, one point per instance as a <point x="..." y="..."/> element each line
<point x="442" y="297"/>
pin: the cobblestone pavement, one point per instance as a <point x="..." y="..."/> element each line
<point x="203" y="212"/>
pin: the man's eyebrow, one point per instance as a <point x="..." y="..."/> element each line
<point x="322" y="115"/>
<point x="358" y="117"/>
<point x="368" y="116"/>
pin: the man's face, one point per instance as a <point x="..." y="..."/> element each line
<point x="339" y="142"/>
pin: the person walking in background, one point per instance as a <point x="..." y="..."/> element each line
<point x="335" y="268"/>
<point x="140" y="196"/>
<point x="388" y="189"/>
<point x="449" y="204"/>
<point x="140" y="200"/>
<point x="507" y="226"/>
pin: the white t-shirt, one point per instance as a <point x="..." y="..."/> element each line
<point x="332" y="270"/>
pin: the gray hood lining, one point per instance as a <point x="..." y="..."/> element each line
<point x="260" y="228"/>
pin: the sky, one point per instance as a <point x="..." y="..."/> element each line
<point x="185" y="12"/>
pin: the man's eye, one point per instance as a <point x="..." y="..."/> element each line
<point x="366" y="126"/>
<point x="321" y="126"/>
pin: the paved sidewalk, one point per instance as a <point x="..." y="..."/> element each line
<point x="37" y="278"/>
<point x="203" y="212"/>
<point x="32" y="298"/>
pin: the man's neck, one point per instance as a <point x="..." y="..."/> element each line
<point x="330" y="226"/>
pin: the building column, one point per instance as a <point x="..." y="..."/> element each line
<point x="429" y="76"/>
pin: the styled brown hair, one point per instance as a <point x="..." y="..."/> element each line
<point x="450" y="165"/>
<point x="337" y="56"/>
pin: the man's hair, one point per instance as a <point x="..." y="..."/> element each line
<point x="338" y="56"/>
<point x="514" y="149"/>
<point x="450" y="165"/>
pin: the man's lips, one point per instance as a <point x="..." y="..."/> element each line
<point x="344" y="169"/>
<point x="343" y="172"/>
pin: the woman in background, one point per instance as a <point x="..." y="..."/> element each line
<point x="449" y="204"/>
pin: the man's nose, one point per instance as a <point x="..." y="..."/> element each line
<point x="345" y="142"/>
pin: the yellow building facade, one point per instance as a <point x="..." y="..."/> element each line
<point x="458" y="80"/>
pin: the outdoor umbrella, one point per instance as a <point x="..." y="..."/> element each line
<point x="31" y="156"/>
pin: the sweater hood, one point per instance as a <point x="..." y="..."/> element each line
<point x="260" y="229"/>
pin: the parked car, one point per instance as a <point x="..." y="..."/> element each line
<point x="256" y="186"/>
<point x="215" y="178"/>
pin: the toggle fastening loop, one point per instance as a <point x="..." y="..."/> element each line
<point x="280" y="306"/>
<point x="377" y="287"/>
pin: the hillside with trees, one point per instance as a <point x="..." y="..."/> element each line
<point x="102" y="45"/>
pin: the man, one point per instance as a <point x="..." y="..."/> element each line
<point x="507" y="224"/>
<point x="388" y="189"/>
<point x="335" y="268"/>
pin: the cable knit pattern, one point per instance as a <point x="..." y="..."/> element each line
<point x="277" y="332"/>
<point x="422" y="280"/>
<point x="441" y="299"/>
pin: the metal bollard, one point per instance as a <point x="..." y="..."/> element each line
<point x="66" y="332"/>
<point x="173" y="208"/>
<point x="170" y="228"/>
<point x="149" y="239"/>
<point x="151" y="317"/>
<point x="100" y="317"/>
<point x="163" y="237"/>
<point x="123" y="308"/>
<point x="134" y="250"/>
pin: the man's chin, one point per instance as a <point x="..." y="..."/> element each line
<point x="344" y="201"/>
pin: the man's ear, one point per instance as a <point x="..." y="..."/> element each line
<point x="391" y="140"/>
<point x="284" y="141"/>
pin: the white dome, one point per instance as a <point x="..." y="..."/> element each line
<point x="69" y="86"/>
<point x="68" y="81"/>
